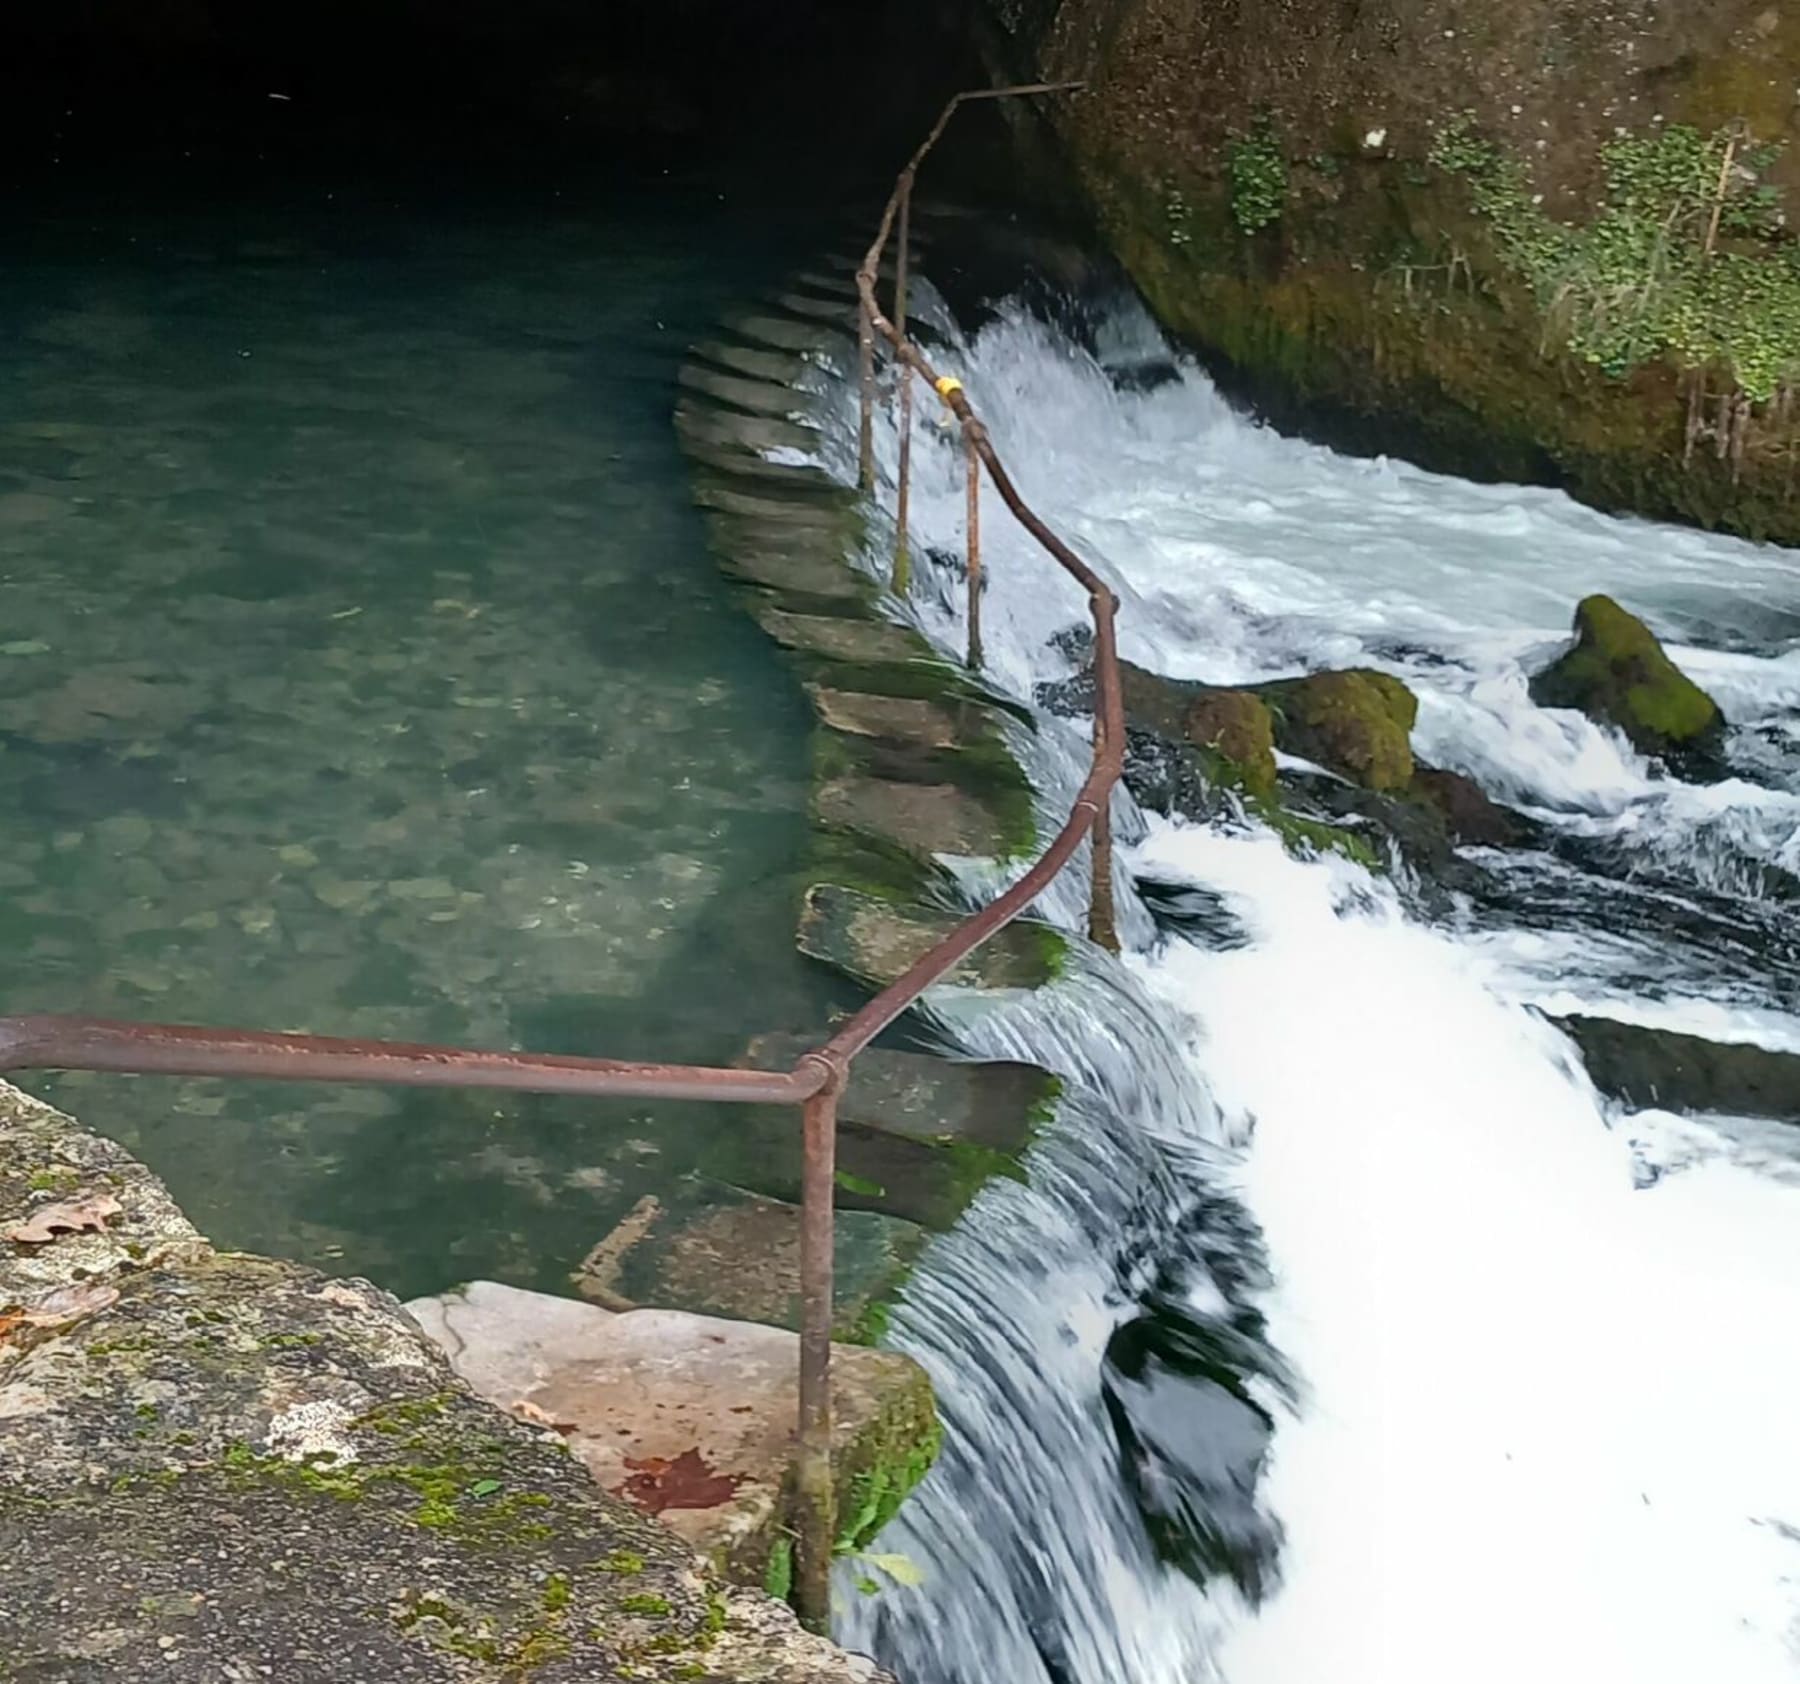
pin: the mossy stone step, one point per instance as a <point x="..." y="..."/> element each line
<point x="779" y="332"/>
<point x="717" y="1395"/>
<point x="825" y="285"/>
<point x="853" y="641"/>
<point x="752" y="433"/>
<point x="747" y="467"/>
<point x="802" y="569"/>
<point x="907" y="719"/>
<point x="838" y="515"/>
<point x="779" y="368"/>
<point x="919" y="1136"/>
<point x="833" y="312"/>
<point x="922" y="818"/>
<point x="718" y="1250"/>
<point x="877" y="942"/>
<point x="1000" y="1104"/>
<point x="767" y="398"/>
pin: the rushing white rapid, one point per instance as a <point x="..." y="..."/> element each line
<point x="1545" y="1350"/>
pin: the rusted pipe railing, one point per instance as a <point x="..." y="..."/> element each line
<point x="902" y="578"/>
<point x="972" y="548"/>
<point x="40" y="1042"/>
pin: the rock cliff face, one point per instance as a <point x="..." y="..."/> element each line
<point x="1522" y="238"/>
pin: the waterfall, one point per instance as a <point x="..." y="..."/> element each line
<point x="1527" y="1356"/>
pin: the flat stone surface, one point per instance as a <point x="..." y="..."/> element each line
<point x="228" y="1468"/>
<point x="713" y="1400"/>
<point x="905" y="719"/>
<point x="834" y="312"/>
<point x="755" y="397"/>
<point x="746" y="465"/>
<point x="807" y="511"/>
<point x="810" y="569"/>
<point x="877" y="942"/>
<point x="783" y="368"/>
<point x="783" y="333"/>
<point x="721" y="1251"/>
<point x="922" y="818"/>
<point x="709" y="424"/>
<point x="860" y="642"/>
<point x="995" y="1103"/>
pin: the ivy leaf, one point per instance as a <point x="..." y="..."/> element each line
<point x="484" y="1488"/>
<point x="902" y="1569"/>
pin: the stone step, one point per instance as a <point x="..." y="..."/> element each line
<point x="832" y="312"/>
<point x="877" y="942"/>
<point x="806" y="564"/>
<point x="754" y="397"/>
<point x="826" y="285"/>
<point x="780" y="368"/>
<point x="754" y="434"/>
<point x="997" y="1103"/>
<point x="906" y="719"/>
<point x="859" y="642"/>
<point x="923" y="818"/>
<point x="770" y="504"/>
<point x="718" y="1250"/>
<point x="691" y="1417"/>
<point x="747" y="467"/>
<point x="779" y="332"/>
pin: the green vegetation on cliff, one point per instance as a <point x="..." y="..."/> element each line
<point x="1686" y="256"/>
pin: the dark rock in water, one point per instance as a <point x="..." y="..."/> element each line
<point x="1467" y="811"/>
<point x="1149" y="375"/>
<point x="1192" y="1442"/>
<point x="1197" y="914"/>
<point x="1358" y="723"/>
<point x="1674" y="1072"/>
<point x="1168" y="777"/>
<point x="1076" y="642"/>
<point x="1618" y="674"/>
<point x="1233" y="729"/>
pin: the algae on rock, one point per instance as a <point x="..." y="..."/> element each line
<point x="1618" y="674"/>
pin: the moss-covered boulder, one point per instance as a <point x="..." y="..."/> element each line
<point x="1358" y="723"/>
<point x="1618" y="674"/>
<point x="1238" y="729"/>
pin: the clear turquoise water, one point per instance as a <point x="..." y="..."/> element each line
<point x="363" y="670"/>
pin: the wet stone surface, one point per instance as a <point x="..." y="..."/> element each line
<point x="227" y="1467"/>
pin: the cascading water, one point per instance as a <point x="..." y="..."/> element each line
<point x="1528" y="1356"/>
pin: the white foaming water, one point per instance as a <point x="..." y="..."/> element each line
<point x="1546" y="1349"/>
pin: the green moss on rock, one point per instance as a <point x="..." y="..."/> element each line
<point x="1358" y="723"/>
<point x="1618" y="674"/>
<point x="1238" y="731"/>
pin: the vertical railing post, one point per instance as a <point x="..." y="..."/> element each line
<point x="1109" y="747"/>
<point x="865" y="431"/>
<point x="972" y="479"/>
<point x="902" y="579"/>
<point x="815" y="1521"/>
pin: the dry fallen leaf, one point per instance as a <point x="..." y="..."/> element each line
<point x="526" y="1410"/>
<point x="656" y="1483"/>
<point x="70" y="1303"/>
<point x="84" y="1215"/>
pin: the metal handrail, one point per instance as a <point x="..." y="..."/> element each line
<point x="46" y="1042"/>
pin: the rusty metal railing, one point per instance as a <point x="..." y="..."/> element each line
<point x="40" y="1042"/>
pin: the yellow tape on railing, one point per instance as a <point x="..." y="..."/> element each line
<point x="946" y="384"/>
